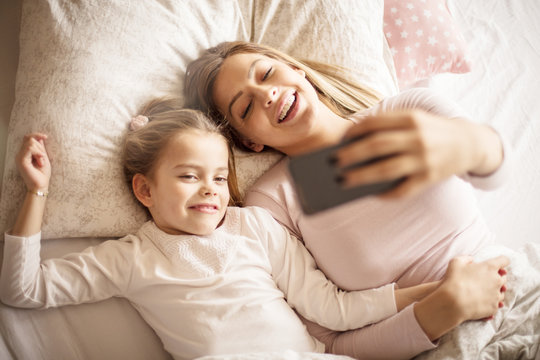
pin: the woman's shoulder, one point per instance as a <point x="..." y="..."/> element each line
<point x="416" y="98"/>
<point x="274" y="183"/>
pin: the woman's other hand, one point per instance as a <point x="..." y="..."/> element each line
<point x="33" y="162"/>
<point x="419" y="147"/>
<point x="478" y="288"/>
<point x="468" y="291"/>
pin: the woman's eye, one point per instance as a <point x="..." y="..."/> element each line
<point x="244" y="114"/>
<point x="267" y="73"/>
<point x="221" y="179"/>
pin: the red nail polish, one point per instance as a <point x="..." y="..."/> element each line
<point x="501" y="304"/>
<point x="503" y="288"/>
<point x="502" y="272"/>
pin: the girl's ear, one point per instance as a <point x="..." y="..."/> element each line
<point x="141" y="189"/>
<point x="251" y="145"/>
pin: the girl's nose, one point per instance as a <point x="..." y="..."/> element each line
<point x="208" y="190"/>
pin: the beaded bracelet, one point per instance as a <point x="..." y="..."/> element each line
<point x="38" y="193"/>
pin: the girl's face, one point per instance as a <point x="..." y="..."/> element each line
<point x="266" y="101"/>
<point x="188" y="191"/>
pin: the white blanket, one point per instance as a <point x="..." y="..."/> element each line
<point x="514" y="333"/>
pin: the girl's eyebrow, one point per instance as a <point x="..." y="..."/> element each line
<point x="198" y="167"/>
<point x="250" y="75"/>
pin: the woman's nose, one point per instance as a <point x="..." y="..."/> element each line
<point x="271" y="95"/>
<point x="267" y="93"/>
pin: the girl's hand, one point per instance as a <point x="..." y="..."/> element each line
<point x="33" y="162"/>
<point x="419" y="147"/>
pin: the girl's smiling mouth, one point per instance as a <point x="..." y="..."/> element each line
<point x="205" y="208"/>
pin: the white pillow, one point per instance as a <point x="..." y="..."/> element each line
<point x="84" y="70"/>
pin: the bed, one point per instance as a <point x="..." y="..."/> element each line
<point x="80" y="70"/>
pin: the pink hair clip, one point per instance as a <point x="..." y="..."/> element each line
<point x="138" y="122"/>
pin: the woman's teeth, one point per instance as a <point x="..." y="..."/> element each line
<point x="286" y="108"/>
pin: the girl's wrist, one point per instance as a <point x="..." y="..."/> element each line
<point x="438" y="313"/>
<point x="40" y="192"/>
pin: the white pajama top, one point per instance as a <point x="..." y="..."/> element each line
<point x="230" y="292"/>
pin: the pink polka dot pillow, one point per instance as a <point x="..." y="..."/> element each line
<point x="424" y="40"/>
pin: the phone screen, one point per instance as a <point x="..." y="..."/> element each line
<point x="315" y="181"/>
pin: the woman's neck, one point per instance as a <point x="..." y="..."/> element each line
<point x="329" y="130"/>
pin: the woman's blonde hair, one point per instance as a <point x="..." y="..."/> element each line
<point x="142" y="147"/>
<point x="333" y="83"/>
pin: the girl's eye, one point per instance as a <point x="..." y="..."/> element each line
<point x="244" y="114"/>
<point x="188" y="177"/>
<point x="221" y="179"/>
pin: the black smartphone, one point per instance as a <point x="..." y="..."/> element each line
<point x="316" y="180"/>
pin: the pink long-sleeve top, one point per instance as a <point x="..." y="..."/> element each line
<point x="370" y="242"/>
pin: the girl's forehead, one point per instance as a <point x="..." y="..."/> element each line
<point x="197" y="137"/>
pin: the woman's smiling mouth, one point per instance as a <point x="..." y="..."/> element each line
<point x="288" y="110"/>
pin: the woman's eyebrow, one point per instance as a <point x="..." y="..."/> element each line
<point x="238" y="94"/>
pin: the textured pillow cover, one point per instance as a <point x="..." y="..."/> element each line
<point x="85" y="69"/>
<point x="424" y="40"/>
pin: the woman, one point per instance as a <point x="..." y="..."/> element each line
<point x="267" y="98"/>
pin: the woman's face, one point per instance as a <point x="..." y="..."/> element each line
<point x="266" y="101"/>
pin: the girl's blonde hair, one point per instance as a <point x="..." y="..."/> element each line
<point x="143" y="147"/>
<point x="333" y="83"/>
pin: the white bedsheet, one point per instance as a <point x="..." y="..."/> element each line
<point x="503" y="90"/>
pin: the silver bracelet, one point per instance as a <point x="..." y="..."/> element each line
<point x="38" y="193"/>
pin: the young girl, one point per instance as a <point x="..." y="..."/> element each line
<point x="208" y="278"/>
<point x="269" y="99"/>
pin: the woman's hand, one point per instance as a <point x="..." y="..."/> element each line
<point x="419" y="147"/>
<point x="477" y="288"/>
<point x="33" y="162"/>
<point x="468" y="291"/>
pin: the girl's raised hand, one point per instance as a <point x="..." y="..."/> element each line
<point x="33" y="162"/>
<point x="420" y="147"/>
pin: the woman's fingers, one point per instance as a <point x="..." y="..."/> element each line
<point x="382" y="121"/>
<point x="376" y="145"/>
<point x="391" y="168"/>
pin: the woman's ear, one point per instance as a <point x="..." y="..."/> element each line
<point x="141" y="189"/>
<point x="251" y="145"/>
<point x="301" y="72"/>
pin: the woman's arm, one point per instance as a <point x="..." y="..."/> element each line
<point x="468" y="291"/>
<point x="35" y="168"/>
<point x="424" y="138"/>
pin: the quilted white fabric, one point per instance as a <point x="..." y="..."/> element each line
<point x="85" y="69"/>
